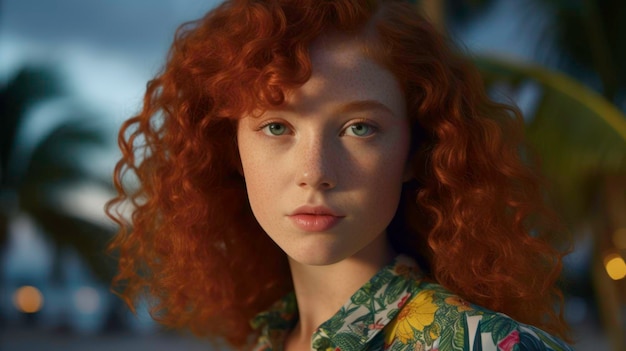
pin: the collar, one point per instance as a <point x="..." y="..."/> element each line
<point x="357" y="322"/>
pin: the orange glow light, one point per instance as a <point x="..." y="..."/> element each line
<point x="28" y="299"/>
<point x="615" y="266"/>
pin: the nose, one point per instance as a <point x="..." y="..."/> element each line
<point x="316" y="160"/>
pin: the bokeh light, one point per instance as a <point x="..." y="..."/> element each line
<point x="615" y="266"/>
<point x="28" y="299"/>
<point x="87" y="299"/>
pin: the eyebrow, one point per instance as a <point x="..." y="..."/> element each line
<point x="363" y="105"/>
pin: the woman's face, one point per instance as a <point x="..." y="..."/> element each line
<point x="324" y="173"/>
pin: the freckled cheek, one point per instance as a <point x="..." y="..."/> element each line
<point x="264" y="178"/>
<point x="260" y="177"/>
<point x="261" y="194"/>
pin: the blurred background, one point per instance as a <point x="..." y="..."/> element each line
<point x="72" y="71"/>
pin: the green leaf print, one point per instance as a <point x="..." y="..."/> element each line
<point x="393" y="291"/>
<point x="380" y="303"/>
<point x="392" y="313"/>
<point x="334" y="324"/>
<point x="347" y="341"/>
<point x="455" y="338"/>
<point x="459" y="334"/>
<point x="361" y="297"/>
<point x="345" y="311"/>
<point x="498" y="325"/>
<point x="384" y="278"/>
<point x="427" y="334"/>
<point x="367" y="318"/>
<point x="321" y="344"/>
<point x="465" y="328"/>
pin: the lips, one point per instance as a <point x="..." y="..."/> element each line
<point x="315" y="219"/>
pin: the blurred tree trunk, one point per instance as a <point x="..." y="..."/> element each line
<point x="611" y="293"/>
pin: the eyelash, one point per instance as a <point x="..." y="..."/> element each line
<point x="269" y="123"/>
<point x="364" y="122"/>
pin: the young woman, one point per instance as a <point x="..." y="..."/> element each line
<point x="331" y="175"/>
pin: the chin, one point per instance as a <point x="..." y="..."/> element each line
<point x="317" y="257"/>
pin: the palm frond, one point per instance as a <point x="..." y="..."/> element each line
<point x="55" y="158"/>
<point x="577" y="133"/>
<point x="30" y="85"/>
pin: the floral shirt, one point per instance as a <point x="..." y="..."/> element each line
<point x="397" y="311"/>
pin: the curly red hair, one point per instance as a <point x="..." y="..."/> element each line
<point x="193" y="244"/>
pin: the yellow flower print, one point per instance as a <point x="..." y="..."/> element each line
<point x="461" y="305"/>
<point x="415" y="315"/>
<point x="434" y="331"/>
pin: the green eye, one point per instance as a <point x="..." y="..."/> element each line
<point x="275" y="129"/>
<point x="360" y="130"/>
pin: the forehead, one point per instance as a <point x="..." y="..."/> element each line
<point x="342" y="72"/>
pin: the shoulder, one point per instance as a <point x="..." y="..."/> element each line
<point x="436" y="319"/>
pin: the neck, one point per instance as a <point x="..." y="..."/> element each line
<point x="322" y="290"/>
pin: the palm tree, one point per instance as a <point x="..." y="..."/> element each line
<point x="33" y="181"/>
